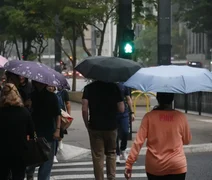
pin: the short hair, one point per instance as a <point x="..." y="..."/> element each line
<point x="164" y="98"/>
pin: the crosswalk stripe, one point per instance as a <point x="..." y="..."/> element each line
<point x="84" y="170"/>
<point x="91" y="176"/>
<point x="77" y="163"/>
<point x="91" y="169"/>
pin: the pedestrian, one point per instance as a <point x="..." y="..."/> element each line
<point x="46" y="117"/>
<point x="166" y="131"/>
<point x="100" y="103"/>
<point x="25" y="89"/>
<point x="12" y="78"/>
<point x="123" y="120"/>
<point x="16" y="126"/>
<point x="64" y="104"/>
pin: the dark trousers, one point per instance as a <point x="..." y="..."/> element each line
<point x="13" y="168"/>
<point x="123" y="131"/>
<point x="167" y="177"/>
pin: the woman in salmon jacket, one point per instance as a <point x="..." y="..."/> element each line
<point x="166" y="131"/>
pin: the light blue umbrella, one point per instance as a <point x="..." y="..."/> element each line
<point x="172" y="79"/>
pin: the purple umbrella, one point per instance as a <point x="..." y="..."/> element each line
<point x="37" y="72"/>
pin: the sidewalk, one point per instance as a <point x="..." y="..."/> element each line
<point x="77" y="141"/>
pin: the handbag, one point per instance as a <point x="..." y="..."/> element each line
<point x="66" y="120"/>
<point x="37" y="151"/>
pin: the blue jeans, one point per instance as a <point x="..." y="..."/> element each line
<point x="44" y="170"/>
<point x="123" y="131"/>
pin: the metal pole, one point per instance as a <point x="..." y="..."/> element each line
<point x="164" y="32"/>
<point x="125" y="22"/>
<point x="210" y="60"/>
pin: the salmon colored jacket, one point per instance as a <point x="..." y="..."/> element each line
<point x="166" y="132"/>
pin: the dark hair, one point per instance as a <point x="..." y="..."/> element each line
<point x="164" y="100"/>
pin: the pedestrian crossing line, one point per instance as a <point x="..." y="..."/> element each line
<point x="91" y="169"/>
<point x="84" y="170"/>
<point x="91" y="176"/>
<point x="78" y="163"/>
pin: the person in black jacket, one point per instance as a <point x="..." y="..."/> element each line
<point x="16" y="128"/>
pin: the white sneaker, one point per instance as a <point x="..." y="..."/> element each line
<point x="60" y="145"/>
<point x="124" y="154"/>
<point x="118" y="161"/>
<point x="55" y="159"/>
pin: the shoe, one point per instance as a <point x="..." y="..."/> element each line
<point x="60" y="145"/>
<point x="118" y="161"/>
<point x="55" y="159"/>
<point x="124" y="154"/>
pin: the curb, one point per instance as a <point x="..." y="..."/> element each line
<point x="194" y="148"/>
<point x="77" y="153"/>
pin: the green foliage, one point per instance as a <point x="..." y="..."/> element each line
<point x="143" y="12"/>
<point x="196" y="14"/>
<point x="146" y="46"/>
<point x="22" y="23"/>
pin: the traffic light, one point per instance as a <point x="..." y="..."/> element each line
<point x="127" y="44"/>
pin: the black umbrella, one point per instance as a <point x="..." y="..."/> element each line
<point x="108" y="69"/>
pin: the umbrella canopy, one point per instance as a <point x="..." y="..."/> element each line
<point x="36" y="71"/>
<point x="172" y="79"/>
<point x="63" y="81"/>
<point x="108" y="69"/>
<point x="3" y="60"/>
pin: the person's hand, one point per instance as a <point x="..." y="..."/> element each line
<point x="128" y="173"/>
<point x="132" y="117"/>
<point x="56" y="134"/>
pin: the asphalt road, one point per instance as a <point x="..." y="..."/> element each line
<point x="199" y="168"/>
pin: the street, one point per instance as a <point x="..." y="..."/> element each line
<point x="199" y="168"/>
<point x="80" y="84"/>
<point x="201" y="127"/>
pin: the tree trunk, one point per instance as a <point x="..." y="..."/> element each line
<point x="74" y="58"/>
<point x="67" y="55"/>
<point x="102" y="39"/>
<point x="16" y="47"/>
<point x="84" y="45"/>
<point x="115" y="52"/>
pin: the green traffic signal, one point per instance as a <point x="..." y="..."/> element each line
<point x="128" y="48"/>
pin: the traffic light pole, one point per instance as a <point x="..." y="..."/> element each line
<point x="164" y="32"/>
<point x="124" y="25"/>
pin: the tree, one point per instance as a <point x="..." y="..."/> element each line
<point x="101" y="12"/>
<point x="6" y="45"/>
<point x="21" y="23"/>
<point x="143" y="12"/>
<point x="196" y="14"/>
<point x="146" y="46"/>
<point x="72" y="17"/>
